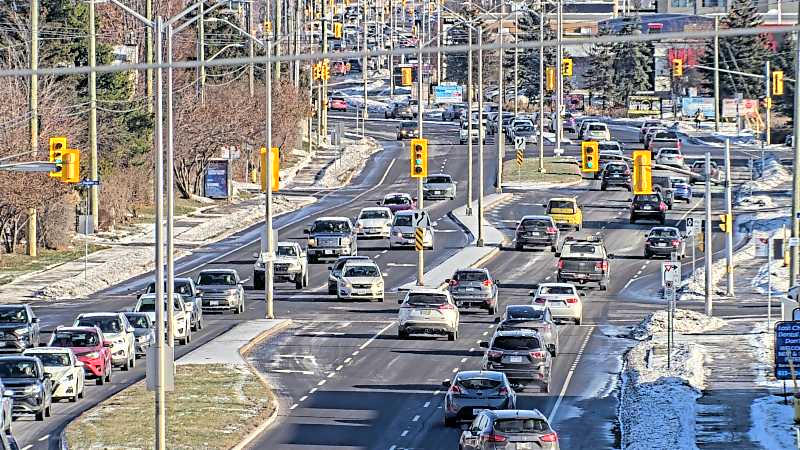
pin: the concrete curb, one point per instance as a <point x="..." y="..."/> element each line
<point x="525" y="187"/>
<point x="244" y="350"/>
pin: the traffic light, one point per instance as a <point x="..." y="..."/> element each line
<point x="275" y="160"/>
<point x="326" y="70"/>
<point x="407" y="76"/>
<point x="550" y="78"/>
<point x="726" y="223"/>
<point x="590" y="161"/>
<point x="337" y="30"/>
<point x="267" y="26"/>
<point x="677" y="67"/>
<point x="642" y="172"/>
<point x="72" y="166"/>
<point x="566" y="67"/>
<point x="419" y="158"/>
<point x="57" y="147"/>
<point x="315" y="71"/>
<point x="777" y="82"/>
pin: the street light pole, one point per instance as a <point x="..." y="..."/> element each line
<point x="268" y="281"/>
<point x="439" y="41"/>
<point x="420" y="198"/>
<point x="364" y="64"/>
<point x="716" y="75"/>
<point x="160" y="403"/>
<point x="707" y="241"/>
<point x="470" y="99"/>
<point x="516" y="66"/>
<point x="794" y="266"/>
<point x="33" y="99"/>
<point x="93" y="190"/>
<point x="500" y="101"/>
<point x="559" y="75"/>
<point x="541" y="86"/>
<point x="481" y="131"/>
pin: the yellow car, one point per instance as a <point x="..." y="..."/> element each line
<point x="566" y="212"/>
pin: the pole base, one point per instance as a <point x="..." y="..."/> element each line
<point x="479" y="243"/>
<point x="498" y="190"/>
<point x="468" y="211"/>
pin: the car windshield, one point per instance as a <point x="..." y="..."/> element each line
<point x="106" y="324"/>
<point x="607" y="147"/>
<point x="515" y="343"/>
<point x="523" y="128"/>
<point x="18" y="369"/>
<point x="669" y="151"/>
<point x="426" y="299"/>
<point x="408" y="125"/>
<point x="218" y="278"/>
<point x="438" y="180"/>
<point x="518" y="425"/>
<point x="664" y="232"/>
<point x="666" y="135"/>
<point x="557" y="290"/>
<point x="471" y="276"/>
<point x="616" y="167"/>
<point x="330" y="226"/>
<point x="533" y="224"/>
<point x="75" y="339"/>
<point x="478" y="384"/>
<point x="53" y="359"/>
<point x="361" y="271"/>
<point x="402" y="220"/>
<point x="561" y="207"/>
<point x="139" y="321"/>
<point x="374" y="214"/>
<point x="14" y="314"/>
<point x="647" y="198"/>
<point x="397" y="200"/>
<point x="181" y="287"/>
<point x="524" y="313"/>
<point x="287" y="250"/>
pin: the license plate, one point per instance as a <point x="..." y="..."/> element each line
<point x="476" y="411"/>
<point x="437" y="192"/>
<point x="426" y="312"/>
<point x="535" y="233"/>
<point x="515" y="359"/>
<point x="648" y="208"/>
<point x="524" y="446"/>
<point x="362" y="291"/>
<point x="471" y="289"/>
<point x="214" y="302"/>
<point x="662" y="244"/>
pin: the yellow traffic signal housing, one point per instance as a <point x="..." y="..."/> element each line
<point x="566" y="67"/>
<point x="275" y="160"/>
<point x="677" y="67"/>
<point x="57" y="147"/>
<point x="419" y="158"/>
<point x="407" y="76"/>
<point x="777" y="82"/>
<point x="550" y="78"/>
<point x="642" y="172"/>
<point x="72" y="166"/>
<point x="267" y="26"/>
<point x="726" y="223"/>
<point x="326" y="70"/>
<point x="590" y="157"/>
<point x="337" y="30"/>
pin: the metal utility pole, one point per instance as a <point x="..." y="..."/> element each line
<point x="481" y="132"/>
<point x="541" y="87"/>
<point x="149" y="53"/>
<point x="324" y="93"/>
<point x="559" y="76"/>
<point x="277" y="29"/>
<point x="34" y="108"/>
<point x="170" y="196"/>
<point x="716" y="74"/>
<point x="707" y="244"/>
<point x="201" y="52"/>
<point x="729" y="212"/>
<point x="795" y="254"/>
<point x="768" y="97"/>
<point x="364" y="64"/>
<point x="160" y="404"/>
<point x="268" y="282"/>
<point x="501" y="99"/>
<point x="392" y="24"/>
<point x="251" y="51"/>
<point x="420" y="197"/>
<point x="296" y="47"/>
<point x="470" y="99"/>
<point x="516" y="67"/>
<point x="93" y="190"/>
<point x="439" y="42"/>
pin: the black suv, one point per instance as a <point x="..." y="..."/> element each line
<point x="537" y="231"/>
<point x="648" y="206"/>
<point x="521" y="355"/>
<point x="616" y="174"/>
<point x="19" y="328"/>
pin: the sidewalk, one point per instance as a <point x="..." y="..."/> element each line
<point x="231" y="346"/>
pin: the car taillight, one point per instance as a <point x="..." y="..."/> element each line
<point x="487" y="283"/>
<point x="572" y="300"/>
<point x="662" y="206"/>
<point x="679" y="144"/>
<point x="627" y="172"/>
<point x="496" y="438"/>
<point x="560" y="264"/>
<point x="537" y="355"/>
<point x="552" y="230"/>
<point x="675" y="242"/>
<point x="455" y="389"/>
<point x="503" y="391"/>
<point x="453" y="282"/>
<point x="446" y="306"/>
<point x="538" y="300"/>
<point x="602" y="265"/>
<point x="549" y="437"/>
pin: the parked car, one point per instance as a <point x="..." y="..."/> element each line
<point x="438" y="186"/>
<point x="181" y="326"/>
<point x="402" y="233"/>
<point x="90" y="347"/>
<point x="473" y="391"/>
<point x="222" y="290"/>
<point x="144" y="330"/>
<point x="398" y="201"/>
<point x="19" y="328"/>
<point x="648" y="206"/>
<point x="360" y="279"/>
<point x="330" y="237"/>
<point x="335" y="270"/>
<point x="29" y="385"/>
<point x="118" y="330"/>
<point x="566" y="212"/>
<point x="290" y="265"/>
<point x="531" y="317"/>
<point x="521" y="355"/>
<point x="664" y="241"/>
<point x="474" y="288"/>
<point x="428" y="311"/>
<point x="562" y="300"/>
<point x="192" y="299"/>
<point x="66" y="372"/>
<point x="537" y="231"/>
<point x="374" y="222"/>
<point x="407" y="130"/>
<point x="521" y="428"/>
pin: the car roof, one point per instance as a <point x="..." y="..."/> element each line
<point x="82" y="329"/>
<point x="17" y="306"/>
<point x="395" y="194"/>
<point x="339" y="218"/>
<point x="360" y="262"/>
<point x="218" y="271"/>
<point x="98" y="314"/>
<point x="521" y="332"/>
<point x="512" y="413"/>
<point x="473" y="269"/>
<point x="536" y="217"/>
<point x="348" y="258"/>
<point x="439" y="175"/>
<point x="521" y="307"/>
<point x="556" y="285"/>
<point x="571" y="199"/>
<point x="425" y="290"/>
<point x="48" y="350"/>
<point x="376" y="208"/>
<point x="19" y="358"/>
<point x="665" y="228"/>
<point x="153" y="295"/>
<point x="479" y="374"/>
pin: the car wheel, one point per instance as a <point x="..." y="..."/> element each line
<point x="48" y="411"/>
<point x="647" y="254"/>
<point x="402" y="334"/>
<point x="200" y="324"/>
<point x="518" y="247"/>
<point x="258" y="283"/>
<point x="633" y="220"/>
<point x="663" y="220"/>
<point x="553" y="249"/>
<point x="305" y="278"/>
<point x="578" y="321"/>
<point x="101" y="380"/>
<point x="450" y="422"/>
<point x="132" y="353"/>
<point x="331" y="290"/>
<point x="451" y="336"/>
<point x="602" y="187"/>
<point x="80" y="394"/>
<point x="603" y="287"/>
<point x="298" y="281"/>
<point x="492" y="310"/>
<point x="125" y="367"/>
<point x="40" y="416"/>
<point x="108" y="373"/>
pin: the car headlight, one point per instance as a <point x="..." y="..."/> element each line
<point x="399" y="234"/>
<point x="143" y="339"/>
<point x="378" y="284"/>
<point x="92" y="355"/>
<point x="119" y="341"/>
<point x="312" y="242"/>
<point x="347" y="284"/>
<point x="260" y="264"/>
<point x="294" y="266"/>
<point x="22" y="331"/>
<point x="231" y="293"/>
<point x="346" y="241"/>
<point x="32" y="389"/>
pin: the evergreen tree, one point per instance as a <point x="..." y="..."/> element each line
<point x="599" y="77"/>
<point x="633" y="63"/>
<point x="528" y="59"/>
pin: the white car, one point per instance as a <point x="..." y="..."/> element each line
<point x="403" y="230"/>
<point x="66" y="372"/>
<point x="562" y="299"/>
<point x="476" y="132"/>
<point x="670" y="157"/>
<point x="428" y="311"/>
<point x="597" y="131"/>
<point x="360" y="279"/>
<point x="119" y="331"/>
<point x="374" y="222"/>
<point x="181" y="324"/>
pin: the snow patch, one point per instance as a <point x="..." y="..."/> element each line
<point x="349" y="164"/>
<point x="771" y="424"/>
<point x="684" y="321"/>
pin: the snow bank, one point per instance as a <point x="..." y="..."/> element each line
<point x="772" y="175"/>
<point x="694" y="286"/>
<point x="684" y="321"/>
<point x="349" y="164"/>
<point x="772" y="424"/>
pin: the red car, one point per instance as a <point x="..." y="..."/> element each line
<point x="338" y="104"/>
<point x="89" y="346"/>
<point x="398" y="202"/>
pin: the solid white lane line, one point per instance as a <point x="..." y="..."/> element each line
<point x="629" y="283"/>
<point x="569" y="375"/>
<point x="365" y="344"/>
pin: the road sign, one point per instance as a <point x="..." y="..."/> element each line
<point x="519" y="143"/>
<point x="787" y="346"/>
<point x="419" y="239"/>
<point x="670" y="273"/>
<point x="88" y="183"/>
<point x="690" y="226"/>
<point x="794" y="242"/>
<point x="419" y="217"/>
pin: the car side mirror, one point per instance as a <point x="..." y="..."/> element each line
<point x="497" y="283"/>
<point x="107" y="344"/>
<point x="48" y="376"/>
<point x="306" y="231"/>
<point x="35" y="320"/>
<point x="378" y="203"/>
<point x="198" y="294"/>
<point x="79" y="364"/>
<point x="611" y="256"/>
<point x="484" y="344"/>
<point x="446" y="383"/>
<point x="399" y="302"/>
<point x="582" y="294"/>
<point x="447" y="280"/>
<point x="256" y="255"/>
<point x="130" y="329"/>
<point x="496" y="320"/>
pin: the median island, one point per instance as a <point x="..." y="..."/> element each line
<point x="557" y="171"/>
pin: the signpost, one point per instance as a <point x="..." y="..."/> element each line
<point x="519" y="146"/>
<point x="671" y="280"/>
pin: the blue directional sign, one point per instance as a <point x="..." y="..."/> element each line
<point x="787" y="345"/>
<point x="87" y="183"/>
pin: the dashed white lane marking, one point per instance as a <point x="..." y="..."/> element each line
<point x="355" y="353"/>
<point x="312" y="390"/>
<point x="463" y="360"/>
<point x="404" y="433"/>
<point x="478" y="342"/>
<point x="569" y="375"/>
<point x="426" y="404"/>
<point x="321" y="382"/>
<point x="472" y="349"/>
<point x="638" y="273"/>
<point x="644" y="266"/>
<point x="44" y="438"/>
<point x="384" y="251"/>
<point x="436" y="392"/>
<point x="339" y="368"/>
<point x="302" y="399"/>
<point x="491" y="325"/>
<point x="485" y="333"/>
<point x="416" y="418"/>
<point x="293" y="406"/>
<point x="547" y="277"/>
<point x="647" y="263"/>
<point x="376" y="256"/>
<point x="455" y="369"/>
<point x="27" y="447"/>
<point x="330" y="375"/>
<point x="629" y="283"/>
<point x="347" y="360"/>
